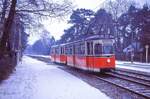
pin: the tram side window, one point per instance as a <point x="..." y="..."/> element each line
<point x="98" y="49"/>
<point x="90" y="48"/>
<point x="69" y="50"/>
<point x="66" y="50"/>
<point x="76" y="49"/>
<point x="62" y="50"/>
<point x="52" y="51"/>
<point x="57" y="50"/>
<point x="80" y="49"/>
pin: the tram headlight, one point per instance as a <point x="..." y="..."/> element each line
<point x="108" y="60"/>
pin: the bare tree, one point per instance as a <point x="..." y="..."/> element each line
<point x="117" y="7"/>
<point x="24" y="9"/>
<point x="4" y="44"/>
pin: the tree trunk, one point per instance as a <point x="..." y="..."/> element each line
<point x="4" y="43"/>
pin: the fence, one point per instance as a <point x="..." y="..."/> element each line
<point x="139" y="57"/>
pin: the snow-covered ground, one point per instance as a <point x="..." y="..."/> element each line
<point x="136" y="63"/>
<point x="37" y="80"/>
<point x="44" y="56"/>
<point x="143" y="67"/>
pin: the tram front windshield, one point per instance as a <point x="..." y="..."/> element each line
<point x="100" y="49"/>
<point x="108" y="49"/>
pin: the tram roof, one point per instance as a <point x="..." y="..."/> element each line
<point x="94" y="37"/>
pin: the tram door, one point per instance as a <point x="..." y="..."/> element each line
<point x="97" y="53"/>
<point x="90" y="57"/>
<point x="97" y="46"/>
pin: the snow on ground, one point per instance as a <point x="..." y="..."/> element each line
<point x="37" y="80"/>
<point x="136" y="63"/>
<point x="44" y="56"/>
<point x="143" y="67"/>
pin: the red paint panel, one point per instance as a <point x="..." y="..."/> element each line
<point x="90" y="61"/>
<point x="101" y="62"/>
<point x="57" y="58"/>
<point x="80" y="62"/>
<point x="63" y="59"/>
<point x="70" y="60"/>
<point x="53" y="58"/>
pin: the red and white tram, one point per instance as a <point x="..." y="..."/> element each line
<point x="93" y="53"/>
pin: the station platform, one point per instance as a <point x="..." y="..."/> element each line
<point x="136" y="66"/>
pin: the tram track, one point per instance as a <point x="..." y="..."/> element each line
<point x="134" y="77"/>
<point x="129" y="83"/>
<point x="129" y="71"/>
